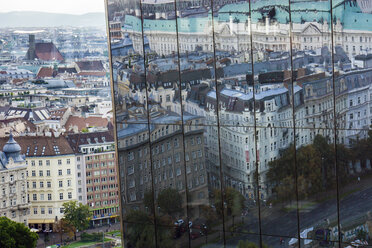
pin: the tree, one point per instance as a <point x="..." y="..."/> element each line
<point x="233" y="202"/>
<point x="141" y="230"/>
<point x="76" y="215"/>
<point x="248" y="244"/>
<point x="62" y="227"/>
<point x="170" y="201"/>
<point x="15" y="234"/>
<point x="148" y="201"/>
<point x="316" y="170"/>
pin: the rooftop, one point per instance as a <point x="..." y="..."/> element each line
<point x="33" y="146"/>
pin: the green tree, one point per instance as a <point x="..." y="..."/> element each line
<point x="170" y="202"/>
<point x="76" y="215"/>
<point x="316" y="170"/>
<point x="63" y="227"/>
<point x="15" y="234"/>
<point x="141" y="230"/>
<point x="148" y="201"/>
<point x="233" y="202"/>
<point x="248" y="244"/>
<point x="210" y="215"/>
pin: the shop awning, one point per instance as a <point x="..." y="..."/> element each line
<point x="40" y="221"/>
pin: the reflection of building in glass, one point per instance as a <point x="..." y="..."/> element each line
<point x="269" y="24"/>
<point x="167" y="146"/>
<point x="290" y="127"/>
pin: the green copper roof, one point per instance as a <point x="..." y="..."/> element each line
<point x="301" y="11"/>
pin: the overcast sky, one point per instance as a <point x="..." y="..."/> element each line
<point x="54" y="6"/>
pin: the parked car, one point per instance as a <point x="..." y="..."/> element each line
<point x="194" y="234"/>
<point x="179" y="222"/>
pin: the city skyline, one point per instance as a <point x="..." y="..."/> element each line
<point x="54" y="6"/>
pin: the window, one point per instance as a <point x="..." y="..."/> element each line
<point x="40" y="162"/>
<point x="69" y="195"/>
<point x="41" y="184"/>
<point x="69" y="183"/>
<point x="68" y="161"/>
<point x="48" y="162"/>
<point x="68" y="171"/>
<point x="34" y="197"/>
<point x="59" y="172"/>
<point x="41" y="197"/>
<point x="49" y="197"/>
<point x="59" y="162"/>
<point x="49" y="184"/>
<point x="35" y="210"/>
<point x="40" y="173"/>
<point x="60" y="184"/>
<point x="178" y="171"/>
<point x="33" y="173"/>
<point x="48" y="173"/>
<point x="50" y="210"/>
<point x="61" y="196"/>
<point x="34" y="185"/>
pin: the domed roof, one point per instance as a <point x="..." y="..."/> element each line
<point x="11" y="146"/>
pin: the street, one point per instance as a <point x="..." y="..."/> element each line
<point x="351" y="207"/>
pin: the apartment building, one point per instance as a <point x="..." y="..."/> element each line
<point x="13" y="195"/>
<point x="97" y="154"/>
<point x="52" y="178"/>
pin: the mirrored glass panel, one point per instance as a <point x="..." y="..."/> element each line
<point x="271" y="105"/>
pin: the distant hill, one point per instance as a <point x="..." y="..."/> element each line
<point x="43" y="19"/>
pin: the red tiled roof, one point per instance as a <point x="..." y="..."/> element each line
<point x="46" y="72"/>
<point x="47" y="52"/>
<point x="95" y="65"/>
<point x="41" y="145"/>
<point x="81" y="122"/>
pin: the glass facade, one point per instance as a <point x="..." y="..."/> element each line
<point x="243" y="123"/>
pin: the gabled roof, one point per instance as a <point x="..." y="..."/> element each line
<point x="47" y="52"/>
<point x="46" y="72"/>
<point x="95" y="65"/>
<point x="35" y="114"/>
<point x="81" y="122"/>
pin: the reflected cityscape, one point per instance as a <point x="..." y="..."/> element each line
<point x="243" y="123"/>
